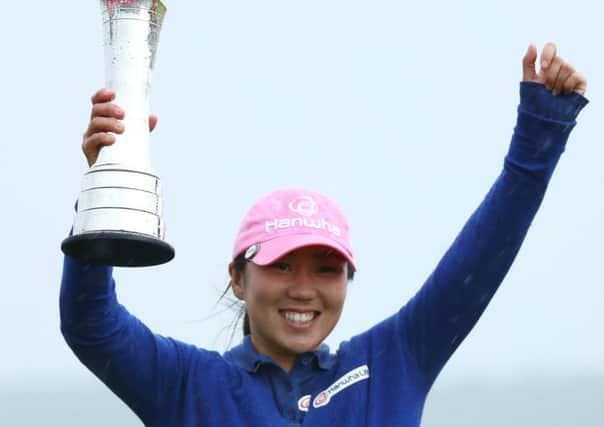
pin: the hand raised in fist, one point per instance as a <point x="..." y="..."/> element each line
<point x="557" y="75"/>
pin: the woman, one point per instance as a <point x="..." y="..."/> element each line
<point x="291" y="264"/>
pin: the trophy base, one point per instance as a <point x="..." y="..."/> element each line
<point x="118" y="248"/>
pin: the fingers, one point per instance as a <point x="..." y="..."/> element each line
<point x="575" y="83"/>
<point x="104" y="116"/>
<point x="565" y="71"/>
<point x="103" y="95"/>
<point x="529" y="73"/>
<point x="106" y="109"/>
<point x="552" y="72"/>
<point x="547" y="55"/>
<point x="550" y="66"/>
<point x="92" y="145"/>
<point x="557" y="75"/>
<point x="98" y="135"/>
<point x="103" y="124"/>
<point x="104" y="119"/>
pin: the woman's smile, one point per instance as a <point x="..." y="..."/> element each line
<point x="299" y="319"/>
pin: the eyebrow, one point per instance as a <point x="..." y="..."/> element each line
<point x="330" y="253"/>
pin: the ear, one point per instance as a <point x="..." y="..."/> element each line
<point x="236" y="282"/>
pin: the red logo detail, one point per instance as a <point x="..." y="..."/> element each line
<point x="304" y="403"/>
<point x="322" y="399"/>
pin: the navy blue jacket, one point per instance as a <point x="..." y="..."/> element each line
<point x="378" y="378"/>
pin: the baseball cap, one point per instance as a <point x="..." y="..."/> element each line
<point x="288" y="219"/>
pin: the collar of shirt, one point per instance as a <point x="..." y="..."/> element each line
<point x="246" y="357"/>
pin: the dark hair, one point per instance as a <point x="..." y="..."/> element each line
<point x="239" y="264"/>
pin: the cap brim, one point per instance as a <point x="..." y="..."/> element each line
<point x="274" y="249"/>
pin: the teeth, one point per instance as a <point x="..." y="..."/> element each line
<point x="299" y="317"/>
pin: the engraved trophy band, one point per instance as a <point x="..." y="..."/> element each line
<point x="119" y="218"/>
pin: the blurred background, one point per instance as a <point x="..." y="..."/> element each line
<point x="404" y="106"/>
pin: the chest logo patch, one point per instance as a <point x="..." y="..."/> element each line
<point x="304" y="403"/>
<point x="358" y="374"/>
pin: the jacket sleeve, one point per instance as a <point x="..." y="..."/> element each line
<point x="436" y="320"/>
<point x="145" y="370"/>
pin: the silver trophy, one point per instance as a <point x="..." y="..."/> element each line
<point x="119" y="211"/>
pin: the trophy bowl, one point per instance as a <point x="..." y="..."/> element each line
<point x="119" y="219"/>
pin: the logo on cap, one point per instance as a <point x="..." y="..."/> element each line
<point x="304" y="205"/>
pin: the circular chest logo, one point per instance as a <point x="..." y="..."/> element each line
<point x="322" y="399"/>
<point x="304" y="403"/>
<point x="304" y="205"/>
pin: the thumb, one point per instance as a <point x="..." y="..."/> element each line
<point x="529" y="73"/>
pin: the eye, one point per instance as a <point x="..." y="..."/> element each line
<point x="327" y="269"/>
<point x="281" y="266"/>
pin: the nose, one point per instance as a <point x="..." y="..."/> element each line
<point x="302" y="288"/>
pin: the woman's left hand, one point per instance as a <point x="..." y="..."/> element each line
<point x="557" y="75"/>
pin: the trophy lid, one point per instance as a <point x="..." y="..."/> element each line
<point x="156" y="8"/>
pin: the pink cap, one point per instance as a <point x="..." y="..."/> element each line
<point x="290" y="219"/>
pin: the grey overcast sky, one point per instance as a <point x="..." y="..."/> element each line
<point x="400" y="111"/>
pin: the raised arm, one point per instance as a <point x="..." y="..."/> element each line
<point x="145" y="370"/>
<point x="110" y="342"/>
<point x="455" y="295"/>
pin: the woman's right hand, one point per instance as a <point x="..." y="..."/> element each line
<point x="105" y="121"/>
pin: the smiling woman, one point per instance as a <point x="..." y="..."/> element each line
<point x="291" y="264"/>
<point x="293" y="303"/>
<point x="295" y="286"/>
<point x="237" y="269"/>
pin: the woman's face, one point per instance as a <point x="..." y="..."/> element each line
<point x="293" y="303"/>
